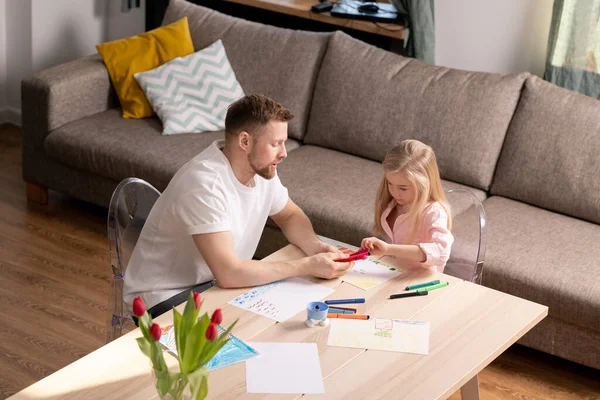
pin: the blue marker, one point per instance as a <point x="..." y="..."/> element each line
<point x="344" y="301"/>
<point x="340" y="311"/>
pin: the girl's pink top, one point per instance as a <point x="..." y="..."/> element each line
<point x="432" y="234"/>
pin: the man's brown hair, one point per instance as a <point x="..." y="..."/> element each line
<point x="252" y="112"/>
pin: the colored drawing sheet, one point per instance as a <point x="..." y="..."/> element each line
<point x="369" y="272"/>
<point x="380" y="334"/>
<point x="234" y="351"/>
<point x="282" y="299"/>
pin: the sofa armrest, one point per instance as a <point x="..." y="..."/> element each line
<point x="59" y="95"/>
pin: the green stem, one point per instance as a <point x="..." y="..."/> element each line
<point x="179" y="388"/>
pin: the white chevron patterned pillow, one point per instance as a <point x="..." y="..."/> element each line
<point x="192" y="93"/>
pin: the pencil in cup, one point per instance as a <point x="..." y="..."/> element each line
<point x="348" y="316"/>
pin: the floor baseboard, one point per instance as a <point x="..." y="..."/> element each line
<point x="10" y="115"/>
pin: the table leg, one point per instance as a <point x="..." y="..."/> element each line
<point x="470" y="390"/>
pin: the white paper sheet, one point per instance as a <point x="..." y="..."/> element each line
<point x="282" y="299"/>
<point x="381" y="334"/>
<point x="285" y="368"/>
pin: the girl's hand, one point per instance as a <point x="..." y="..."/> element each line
<point x="375" y="246"/>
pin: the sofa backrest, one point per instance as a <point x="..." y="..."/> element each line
<point x="279" y="63"/>
<point x="551" y="155"/>
<point x="367" y="100"/>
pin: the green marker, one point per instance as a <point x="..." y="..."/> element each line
<point x="420" y="285"/>
<point x="428" y="288"/>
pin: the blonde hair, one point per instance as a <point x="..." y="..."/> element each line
<point x="418" y="162"/>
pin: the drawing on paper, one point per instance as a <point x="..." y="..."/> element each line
<point x="264" y="307"/>
<point x="369" y="272"/>
<point x="384" y="328"/>
<point x="381" y="334"/>
<point x="234" y="351"/>
<point x="254" y="293"/>
<point x="282" y="299"/>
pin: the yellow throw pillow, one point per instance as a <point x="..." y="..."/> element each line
<point x="141" y="53"/>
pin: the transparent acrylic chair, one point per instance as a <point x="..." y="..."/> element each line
<point x="129" y="207"/>
<point x="468" y="228"/>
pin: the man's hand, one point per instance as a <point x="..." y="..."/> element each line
<point x="322" y="265"/>
<point x="298" y="230"/>
<point x="323" y="247"/>
<point x="375" y="246"/>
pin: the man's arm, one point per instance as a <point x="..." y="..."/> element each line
<point x="298" y="230"/>
<point x="231" y="271"/>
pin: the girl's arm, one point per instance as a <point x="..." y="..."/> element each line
<point x="434" y="250"/>
<point x="406" y="251"/>
<point x="439" y="239"/>
<point x="378" y="247"/>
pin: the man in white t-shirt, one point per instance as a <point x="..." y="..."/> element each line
<point x="207" y="223"/>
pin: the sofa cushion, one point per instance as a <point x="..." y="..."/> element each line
<point x="367" y="100"/>
<point x="117" y="148"/>
<point x="192" y="93"/>
<point x="279" y="63"/>
<point x="336" y="190"/>
<point x="544" y="257"/>
<point x="125" y="57"/>
<point x="550" y="155"/>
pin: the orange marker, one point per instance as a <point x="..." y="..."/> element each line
<point x="348" y="316"/>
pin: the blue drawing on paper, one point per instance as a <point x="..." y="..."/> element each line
<point x="254" y="293"/>
<point x="233" y="352"/>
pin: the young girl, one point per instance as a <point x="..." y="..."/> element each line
<point x="411" y="209"/>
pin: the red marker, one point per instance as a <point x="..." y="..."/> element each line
<point x="355" y="257"/>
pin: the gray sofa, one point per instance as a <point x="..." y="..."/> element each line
<point x="526" y="148"/>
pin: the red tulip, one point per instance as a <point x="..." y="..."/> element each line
<point x="197" y="300"/>
<point x="217" y="316"/>
<point x="211" y="331"/>
<point x="155" y="332"/>
<point x="139" y="308"/>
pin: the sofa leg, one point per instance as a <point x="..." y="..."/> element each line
<point x="37" y="194"/>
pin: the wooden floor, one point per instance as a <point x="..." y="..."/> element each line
<point x="54" y="280"/>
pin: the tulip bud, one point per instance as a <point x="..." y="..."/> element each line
<point x="197" y="300"/>
<point x="139" y="308"/>
<point x="211" y="331"/>
<point x="217" y="316"/>
<point x="155" y="332"/>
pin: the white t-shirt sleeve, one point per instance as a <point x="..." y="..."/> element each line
<point x="280" y="196"/>
<point x="203" y="210"/>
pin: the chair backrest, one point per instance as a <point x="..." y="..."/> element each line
<point x="129" y="208"/>
<point x="468" y="228"/>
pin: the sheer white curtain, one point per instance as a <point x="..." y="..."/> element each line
<point x="574" y="46"/>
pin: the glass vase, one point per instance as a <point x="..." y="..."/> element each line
<point x="180" y="389"/>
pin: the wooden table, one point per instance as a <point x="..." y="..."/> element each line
<point x="301" y="8"/>
<point x="471" y="325"/>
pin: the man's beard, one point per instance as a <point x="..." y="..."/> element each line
<point x="267" y="172"/>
